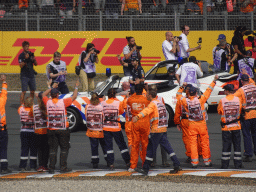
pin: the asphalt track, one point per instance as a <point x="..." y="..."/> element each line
<point x="80" y="154"/>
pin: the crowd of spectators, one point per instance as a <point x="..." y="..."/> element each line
<point x="113" y="8"/>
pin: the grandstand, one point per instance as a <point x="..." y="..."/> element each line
<point x="154" y="16"/>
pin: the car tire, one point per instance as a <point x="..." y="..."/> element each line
<point x="171" y="115"/>
<point x="74" y="119"/>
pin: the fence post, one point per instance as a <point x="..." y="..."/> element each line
<point x="130" y="22"/>
<point x="175" y="20"/>
<point x="252" y="24"/>
<point x="226" y="20"/>
<point x="38" y="22"/>
<point x="204" y="15"/>
<point x="80" y="14"/>
<point x="26" y="20"/>
<point x="84" y="23"/>
<point x="100" y="20"/>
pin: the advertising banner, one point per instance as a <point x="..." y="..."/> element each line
<point x="110" y="43"/>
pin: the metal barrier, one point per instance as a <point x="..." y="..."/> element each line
<point x="84" y="17"/>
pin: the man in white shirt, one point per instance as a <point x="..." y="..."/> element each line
<point x="170" y="47"/>
<point x="188" y="72"/>
<point x="184" y="45"/>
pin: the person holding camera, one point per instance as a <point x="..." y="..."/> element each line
<point x="170" y="47"/>
<point x="188" y="72"/>
<point x="57" y="71"/>
<point x="130" y="51"/>
<point x="27" y="73"/>
<point x="248" y="64"/>
<point x="127" y="67"/>
<point x="223" y="54"/>
<point x="87" y="61"/>
<point x="184" y="45"/>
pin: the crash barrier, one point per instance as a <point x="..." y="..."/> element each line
<point x="71" y="43"/>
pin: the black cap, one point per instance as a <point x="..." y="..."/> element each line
<point x="171" y="70"/>
<point x="248" y="53"/>
<point x="40" y="95"/>
<point x="192" y="90"/>
<point x="229" y="87"/>
<point x="54" y="91"/>
<point x="245" y="77"/>
<point x="188" y="86"/>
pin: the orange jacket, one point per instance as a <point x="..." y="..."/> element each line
<point x="121" y="111"/>
<point x="249" y="7"/>
<point x="202" y="99"/>
<point x="92" y="133"/>
<point x="131" y="4"/>
<point x="152" y="111"/>
<point x="178" y="111"/>
<point x="23" y="3"/>
<point x="67" y="103"/>
<point x="3" y="99"/>
<point x="137" y="103"/>
<point x="234" y="126"/>
<point x="240" y="93"/>
<point x="37" y="131"/>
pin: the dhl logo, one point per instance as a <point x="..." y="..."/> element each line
<point x="73" y="48"/>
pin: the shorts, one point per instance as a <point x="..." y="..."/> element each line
<point x="26" y="81"/>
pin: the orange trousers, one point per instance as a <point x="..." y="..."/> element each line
<point x="128" y="131"/>
<point x="199" y="129"/>
<point x="186" y="139"/>
<point x="140" y="132"/>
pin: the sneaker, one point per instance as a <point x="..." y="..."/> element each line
<point x="194" y="166"/>
<point x="66" y="170"/>
<point x="6" y="171"/>
<point x="95" y="165"/>
<point x="142" y="171"/>
<point x="51" y="171"/>
<point x="166" y="164"/>
<point x="131" y="170"/>
<point x="175" y="170"/>
<point x="40" y="169"/>
<point x="111" y="167"/>
<point x="208" y="164"/>
<point x="247" y="159"/>
<point x="128" y="165"/>
<point x="188" y="160"/>
<point x="45" y="169"/>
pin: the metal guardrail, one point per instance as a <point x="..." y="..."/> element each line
<point x="153" y="18"/>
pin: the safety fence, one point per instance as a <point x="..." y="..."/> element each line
<point x="109" y="16"/>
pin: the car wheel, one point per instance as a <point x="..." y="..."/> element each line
<point x="74" y="119"/>
<point x="171" y="115"/>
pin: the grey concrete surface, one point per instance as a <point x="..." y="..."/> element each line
<point x="123" y="185"/>
<point x="80" y="152"/>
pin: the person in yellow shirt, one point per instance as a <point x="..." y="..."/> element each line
<point x="230" y="109"/>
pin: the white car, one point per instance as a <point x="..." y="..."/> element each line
<point x="156" y="75"/>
